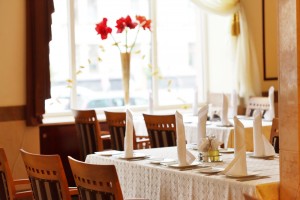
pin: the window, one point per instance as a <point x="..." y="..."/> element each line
<point x="173" y="50"/>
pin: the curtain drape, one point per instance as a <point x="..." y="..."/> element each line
<point x="38" y="36"/>
<point x="246" y="66"/>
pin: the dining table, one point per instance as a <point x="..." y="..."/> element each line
<point x="155" y="174"/>
<point x="225" y="134"/>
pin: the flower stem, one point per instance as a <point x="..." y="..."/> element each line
<point x="126" y="31"/>
<point x="135" y="38"/>
<point x="115" y="42"/>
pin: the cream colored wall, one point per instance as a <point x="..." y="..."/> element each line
<point x="14" y="134"/>
<point x="12" y="52"/>
<point x="253" y="9"/>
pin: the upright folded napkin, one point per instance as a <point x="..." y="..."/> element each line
<point x="128" y="141"/>
<point x="224" y="116"/>
<point x="262" y="146"/>
<point x="238" y="166"/>
<point x="184" y="156"/>
<point x="195" y="102"/>
<point x="270" y="114"/>
<point x="201" y="126"/>
<point x="234" y="103"/>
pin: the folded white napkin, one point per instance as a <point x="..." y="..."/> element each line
<point x="224" y="116"/>
<point x="270" y="114"/>
<point x="184" y="156"/>
<point x="262" y="146"/>
<point x="195" y="102"/>
<point x="201" y="126"/>
<point x="238" y="166"/>
<point x="234" y="103"/>
<point x="128" y="141"/>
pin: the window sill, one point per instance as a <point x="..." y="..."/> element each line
<point x="67" y="117"/>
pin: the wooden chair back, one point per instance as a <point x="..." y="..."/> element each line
<point x="47" y="176"/>
<point x="7" y="188"/>
<point x="88" y="132"/>
<point x="116" y="122"/>
<point x="8" y="184"/>
<point x="161" y="130"/>
<point x="96" y="180"/>
<point x="257" y="103"/>
<point x="274" y="137"/>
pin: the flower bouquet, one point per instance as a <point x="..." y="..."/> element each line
<point x="209" y="149"/>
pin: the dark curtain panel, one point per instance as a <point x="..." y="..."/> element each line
<point x="38" y="24"/>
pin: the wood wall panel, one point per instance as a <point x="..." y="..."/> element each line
<point x="12" y="113"/>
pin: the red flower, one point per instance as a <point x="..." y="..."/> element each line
<point x="122" y="23"/>
<point x="144" y="22"/>
<point x="102" y="29"/>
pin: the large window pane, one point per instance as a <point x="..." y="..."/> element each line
<point x="176" y="49"/>
<point x="174" y="68"/>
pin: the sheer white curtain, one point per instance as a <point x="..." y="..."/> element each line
<point x="246" y="65"/>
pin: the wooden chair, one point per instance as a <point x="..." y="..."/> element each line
<point x="96" y="181"/>
<point x="116" y="122"/>
<point x="274" y="137"/>
<point x="161" y="130"/>
<point x="47" y="177"/>
<point x="257" y="103"/>
<point x="8" y="184"/>
<point x="88" y="132"/>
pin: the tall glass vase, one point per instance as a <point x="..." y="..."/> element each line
<point x="125" y="61"/>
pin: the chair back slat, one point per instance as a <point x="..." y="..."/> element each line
<point x="96" y="180"/>
<point x="274" y="137"/>
<point x="46" y="189"/>
<point x="47" y="176"/>
<point x="4" y="194"/>
<point x="161" y="130"/>
<point x="7" y="188"/>
<point x="117" y="137"/>
<point x="87" y="194"/>
<point x="88" y="132"/>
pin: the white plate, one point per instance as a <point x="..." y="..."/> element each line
<point x="168" y="161"/>
<point x="211" y="170"/>
<point x="156" y="160"/>
<point x="261" y="157"/>
<point x="135" y="156"/>
<point x="185" y="166"/>
<point x="227" y="125"/>
<point x="245" y="117"/>
<point x="108" y="153"/>
<point x="228" y="150"/>
<point x="242" y="176"/>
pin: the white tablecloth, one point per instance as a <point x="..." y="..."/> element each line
<point x="140" y="178"/>
<point x="224" y="134"/>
